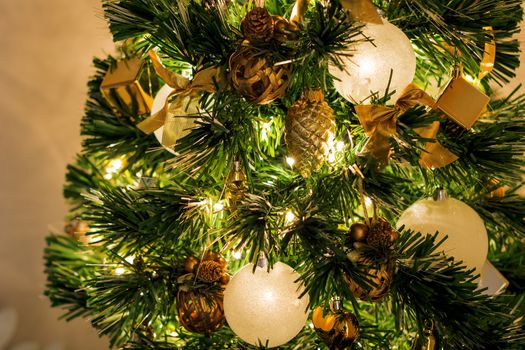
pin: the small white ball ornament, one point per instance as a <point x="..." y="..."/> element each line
<point x="191" y="107"/>
<point x="264" y="306"/>
<point x="368" y="69"/>
<point x="467" y="237"/>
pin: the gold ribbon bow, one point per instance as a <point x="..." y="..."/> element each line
<point x="380" y="123"/>
<point x="204" y="80"/>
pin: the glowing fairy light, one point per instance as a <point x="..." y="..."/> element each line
<point x="264" y="131"/>
<point x="237" y="254"/>
<point x="289" y="217"/>
<point x="113" y="167"/>
<point x="120" y="271"/>
<point x="218" y="206"/>
<point x="339" y="146"/>
<point x="290" y="161"/>
<point x="130" y="259"/>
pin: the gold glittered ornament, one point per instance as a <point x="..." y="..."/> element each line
<point x="236" y="184"/>
<point x="256" y="76"/>
<point x="338" y="329"/>
<point x="309" y="131"/>
<point x="380" y="276"/>
<point x="358" y="232"/>
<point x="426" y="341"/>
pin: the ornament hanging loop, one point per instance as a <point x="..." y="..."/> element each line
<point x="440" y="194"/>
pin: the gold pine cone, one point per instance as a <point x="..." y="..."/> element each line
<point x="258" y="25"/>
<point x="254" y="77"/>
<point x="381" y="234"/>
<point x="309" y="129"/>
<point x="209" y="271"/>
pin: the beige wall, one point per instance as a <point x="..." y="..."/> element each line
<point x="46" y="49"/>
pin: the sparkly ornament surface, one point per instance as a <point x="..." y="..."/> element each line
<point x="265" y="306"/>
<point x="368" y="68"/>
<point x="309" y="131"/>
<point x="338" y="329"/>
<point x="358" y="232"/>
<point x="467" y="237"/>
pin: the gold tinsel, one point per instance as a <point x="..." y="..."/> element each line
<point x="310" y="128"/>
<point x="256" y="77"/>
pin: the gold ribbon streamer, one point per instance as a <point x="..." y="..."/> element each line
<point x="204" y="80"/>
<point x="380" y="123"/>
<point x="489" y="54"/>
<point x="298" y="11"/>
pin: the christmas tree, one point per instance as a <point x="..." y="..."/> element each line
<point x="303" y="175"/>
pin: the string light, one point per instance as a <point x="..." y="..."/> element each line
<point x="264" y="133"/>
<point x="339" y="146"/>
<point x="218" y="206"/>
<point x="119" y="270"/>
<point x="130" y="259"/>
<point x="289" y="217"/>
<point x="237" y="254"/>
<point x="113" y="167"/>
<point x="290" y="161"/>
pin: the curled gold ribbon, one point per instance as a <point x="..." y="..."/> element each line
<point x="380" y="123"/>
<point x="204" y="80"/>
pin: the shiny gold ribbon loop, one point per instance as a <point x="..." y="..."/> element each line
<point x="489" y="54"/>
<point x="380" y="123"/>
<point x="204" y="80"/>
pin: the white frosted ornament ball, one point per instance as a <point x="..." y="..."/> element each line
<point x="368" y="69"/>
<point x="265" y="306"/>
<point x="190" y="107"/>
<point x="467" y="237"/>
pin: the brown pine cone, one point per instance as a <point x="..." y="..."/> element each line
<point x="257" y="26"/>
<point x="381" y="234"/>
<point x="255" y="77"/>
<point x="209" y="271"/>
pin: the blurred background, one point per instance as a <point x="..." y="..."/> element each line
<point x="47" y="47"/>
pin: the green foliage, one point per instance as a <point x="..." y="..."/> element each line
<point x="125" y="280"/>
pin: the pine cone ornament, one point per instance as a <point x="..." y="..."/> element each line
<point x="258" y="25"/>
<point x="256" y="78"/>
<point x="338" y="329"/>
<point x="381" y="234"/>
<point x="209" y="271"/>
<point x="309" y="130"/>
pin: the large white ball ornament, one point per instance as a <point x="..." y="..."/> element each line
<point x="265" y="306"/>
<point x="191" y="107"/>
<point x="368" y="69"/>
<point x="467" y="237"/>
